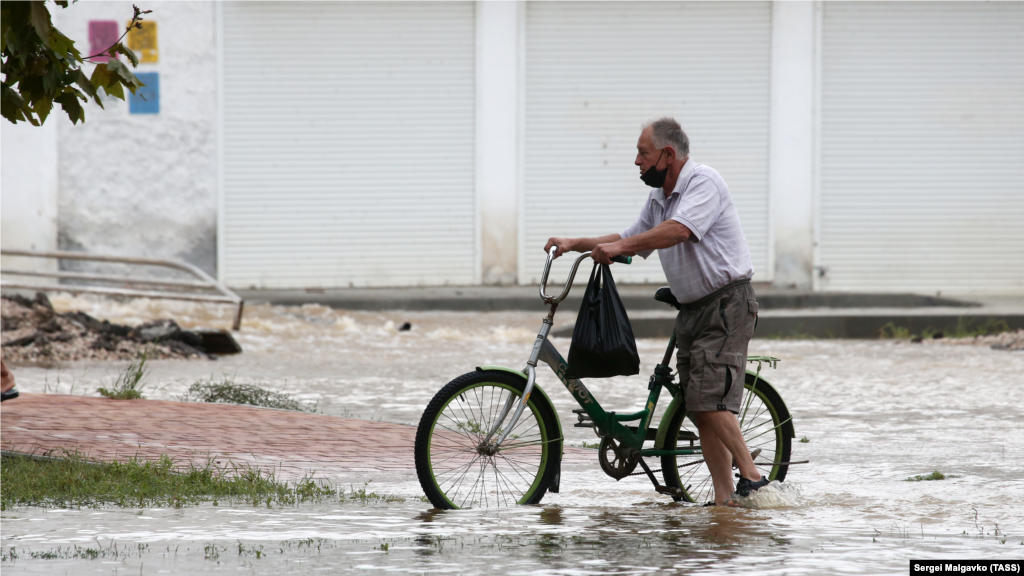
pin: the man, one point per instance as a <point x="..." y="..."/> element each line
<point x="692" y="222"/>
<point x="7" y="391"/>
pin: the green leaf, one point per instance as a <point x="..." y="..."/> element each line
<point x="10" y="39"/>
<point x="100" y="76"/>
<point x="64" y="47"/>
<point x="4" y="25"/>
<point x="117" y="68"/>
<point x="43" y="107"/>
<point x="9" y="95"/>
<point x="114" y="89"/>
<point x="53" y="79"/>
<point x="70" y="104"/>
<point x="122" y="49"/>
<point x="32" y="87"/>
<point x="40" y="18"/>
<point x="83" y="82"/>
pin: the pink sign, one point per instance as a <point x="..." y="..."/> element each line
<point x="102" y="35"/>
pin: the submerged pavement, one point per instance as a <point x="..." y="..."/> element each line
<point x="290" y="444"/>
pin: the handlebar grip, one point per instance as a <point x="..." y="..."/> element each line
<point x="623" y="259"/>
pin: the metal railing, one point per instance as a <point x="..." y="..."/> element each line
<point x="206" y="282"/>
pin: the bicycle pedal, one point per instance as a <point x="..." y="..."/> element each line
<point x="669" y="490"/>
<point x="584" y="418"/>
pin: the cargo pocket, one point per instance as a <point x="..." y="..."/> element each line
<point x="752" y="309"/>
<point x="721" y="375"/>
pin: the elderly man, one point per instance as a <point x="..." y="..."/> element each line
<point x="7" y="391"/>
<point x="692" y="222"/>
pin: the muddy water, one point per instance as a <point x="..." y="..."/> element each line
<point x="874" y="413"/>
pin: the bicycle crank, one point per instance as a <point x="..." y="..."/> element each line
<point x="616" y="460"/>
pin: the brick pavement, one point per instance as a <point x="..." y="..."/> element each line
<point x="292" y="444"/>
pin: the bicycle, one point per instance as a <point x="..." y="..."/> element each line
<point x="470" y="453"/>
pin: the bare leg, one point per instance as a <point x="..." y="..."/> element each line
<point x="725" y="428"/>
<point x="719" y="462"/>
<point x="6" y="378"/>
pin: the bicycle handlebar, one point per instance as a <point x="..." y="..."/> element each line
<point x="572" y="274"/>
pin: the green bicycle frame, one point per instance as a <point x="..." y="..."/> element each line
<point x="610" y="423"/>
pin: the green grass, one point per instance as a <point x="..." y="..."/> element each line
<point x="891" y="331"/>
<point x="593" y="445"/>
<point x="227" y="391"/>
<point x="805" y="440"/>
<point x="936" y="475"/>
<point x="128" y="384"/>
<point x="71" y="481"/>
<point x="965" y="328"/>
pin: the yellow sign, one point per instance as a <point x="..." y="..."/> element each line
<point x="143" y="42"/>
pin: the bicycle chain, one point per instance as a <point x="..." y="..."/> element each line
<point x="642" y="473"/>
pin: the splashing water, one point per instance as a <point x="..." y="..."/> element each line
<point x="774" y="495"/>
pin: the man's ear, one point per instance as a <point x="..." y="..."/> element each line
<point x="670" y="154"/>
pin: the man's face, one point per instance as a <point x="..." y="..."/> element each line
<point x="647" y="156"/>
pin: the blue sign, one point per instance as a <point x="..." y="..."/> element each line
<point x="146" y="100"/>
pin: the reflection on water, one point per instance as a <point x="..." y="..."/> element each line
<point x="405" y="538"/>
<point x="873" y="413"/>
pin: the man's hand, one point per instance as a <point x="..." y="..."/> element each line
<point x="603" y="253"/>
<point x="564" y="245"/>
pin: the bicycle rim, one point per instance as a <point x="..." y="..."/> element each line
<point x="467" y="478"/>
<point x="764" y="425"/>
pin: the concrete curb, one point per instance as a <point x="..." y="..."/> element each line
<point x="526" y="298"/>
<point x="835" y="324"/>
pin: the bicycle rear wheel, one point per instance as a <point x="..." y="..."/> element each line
<point x="454" y="467"/>
<point x="766" y="426"/>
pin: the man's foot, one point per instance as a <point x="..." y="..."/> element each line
<point x="744" y="487"/>
<point x="9" y="395"/>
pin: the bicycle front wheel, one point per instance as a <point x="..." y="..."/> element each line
<point x="455" y="465"/>
<point x="767" y="429"/>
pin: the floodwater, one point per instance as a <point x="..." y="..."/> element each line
<point x="873" y="413"/>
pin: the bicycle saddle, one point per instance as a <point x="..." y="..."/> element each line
<point x="664" y="294"/>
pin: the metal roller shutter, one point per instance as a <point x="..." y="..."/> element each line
<point x="922" y="131"/>
<point x="596" y="71"/>
<point x="348" y="144"/>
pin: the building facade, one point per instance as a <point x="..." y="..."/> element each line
<point x="868" y="146"/>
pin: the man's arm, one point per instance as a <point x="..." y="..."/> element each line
<point x="668" y="233"/>
<point x="578" y="244"/>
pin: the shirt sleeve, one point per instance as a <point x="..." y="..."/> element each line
<point x="700" y="207"/>
<point x="643" y="224"/>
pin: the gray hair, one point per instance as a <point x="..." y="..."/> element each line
<point x="667" y="132"/>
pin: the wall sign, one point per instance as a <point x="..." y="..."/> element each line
<point x="146" y="100"/>
<point x="102" y="35"/>
<point x="143" y="42"/>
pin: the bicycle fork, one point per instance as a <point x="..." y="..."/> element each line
<point x="531" y="377"/>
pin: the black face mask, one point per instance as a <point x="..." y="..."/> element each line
<point x="653" y="177"/>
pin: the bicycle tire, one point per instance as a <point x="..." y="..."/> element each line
<point x="761" y="405"/>
<point x="455" y="474"/>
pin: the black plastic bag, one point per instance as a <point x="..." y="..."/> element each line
<point x="602" y="341"/>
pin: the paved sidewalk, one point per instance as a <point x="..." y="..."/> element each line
<point x="291" y="443"/>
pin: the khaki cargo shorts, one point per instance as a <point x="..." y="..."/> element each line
<point x="711" y="341"/>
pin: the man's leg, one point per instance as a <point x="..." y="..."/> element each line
<point x="6" y="378"/>
<point x="718" y="460"/>
<point x="726" y="445"/>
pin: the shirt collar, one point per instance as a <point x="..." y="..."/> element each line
<point x="658" y="194"/>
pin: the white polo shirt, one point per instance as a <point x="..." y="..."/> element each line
<point x="717" y="253"/>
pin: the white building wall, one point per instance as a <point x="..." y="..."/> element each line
<point x="28" y="191"/>
<point x="498" y="37"/>
<point x="144" y="184"/>
<point x="791" y="160"/>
